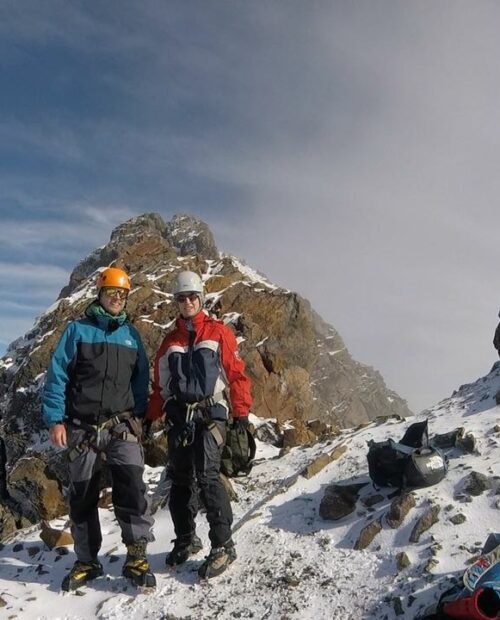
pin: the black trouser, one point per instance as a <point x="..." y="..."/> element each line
<point x="198" y="462"/>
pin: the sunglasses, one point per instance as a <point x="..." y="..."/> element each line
<point x="116" y="292"/>
<point x="183" y="298"/>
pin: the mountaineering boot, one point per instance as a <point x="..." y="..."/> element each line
<point x="217" y="561"/>
<point x="80" y="574"/>
<point x="183" y="549"/>
<point x="136" y="567"/>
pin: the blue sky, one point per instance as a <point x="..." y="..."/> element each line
<point x="348" y="150"/>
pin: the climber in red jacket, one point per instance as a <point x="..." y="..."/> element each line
<point x="199" y="379"/>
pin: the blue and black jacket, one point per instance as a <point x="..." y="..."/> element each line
<point x="99" y="369"/>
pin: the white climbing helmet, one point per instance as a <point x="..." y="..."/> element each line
<point x="188" y="282"/>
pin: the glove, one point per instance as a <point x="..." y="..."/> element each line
<point x="240" y="423"/>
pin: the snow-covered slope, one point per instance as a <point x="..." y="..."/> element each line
<point x="291" y="563"/>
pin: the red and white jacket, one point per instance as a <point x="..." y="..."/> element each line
<point x="198" y="359"/>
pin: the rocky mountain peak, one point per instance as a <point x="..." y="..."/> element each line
<point x="299" y="365"/>
<point x="148" y="223"/>
<point x="184" y="235"/>
<point x="190" y="235"/>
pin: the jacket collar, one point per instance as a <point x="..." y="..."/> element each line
<point x="96" y="313"/>
<point x="193" y="324"/>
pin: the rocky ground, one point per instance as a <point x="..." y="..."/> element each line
<point x="293" y="562"/>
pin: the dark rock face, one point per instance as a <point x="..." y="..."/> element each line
<point x="12" y="519"/>
<point x="191" y="236"/>
<point x="300" y="368"/>
<point x="352" y="386"/>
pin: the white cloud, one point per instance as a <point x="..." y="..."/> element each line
<point x="107" y="215"/>
<point x="28" y="273"/>
<point x="388" y="222"/>
<point x="358" y="143"/>
<point x="27" y="289"/>
<point x="82" y="29"/>
<point x="53" y="140"/>
<point x="81" y="225"/>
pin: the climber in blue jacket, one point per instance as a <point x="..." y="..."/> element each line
<point x="94" y="399"/>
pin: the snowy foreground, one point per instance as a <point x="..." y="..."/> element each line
<point x="291" y="563"/>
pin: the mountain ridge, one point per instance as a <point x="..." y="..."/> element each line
<point x="299" y="365"/>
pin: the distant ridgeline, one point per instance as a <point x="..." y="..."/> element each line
<point x="300" y="368"/>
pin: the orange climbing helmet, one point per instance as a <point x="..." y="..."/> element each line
<point x="112" y="276"/>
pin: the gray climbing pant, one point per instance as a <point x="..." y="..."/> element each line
<point x="125" y="461"/>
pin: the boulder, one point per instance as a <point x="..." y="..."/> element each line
<point x="33" y="486"/>
<point x="316" y="466"/>
<point x="298" y="435"/>
<point x="339" y="501"/>
<point x="476" y="483"/>
<point x="322" y="461"/>
<point x="269" y="432"/>
<point x="426" y="521"/>
<point x="367" y="534"/>
<point x="54" y="537"/>
<point x="400" y="507"/>
<point x="8" y="524"/>
<point x="458" y="519"/>
<point x="402" y="561"/>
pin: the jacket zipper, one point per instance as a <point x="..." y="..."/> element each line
<point x="106" y="348"/>
<point x="192" y="337"/>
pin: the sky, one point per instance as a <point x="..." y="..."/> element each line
<point x="349" y="151"/>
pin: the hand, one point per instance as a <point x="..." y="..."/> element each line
<point x="240" y="423"/>
<point x="58" y="435"/>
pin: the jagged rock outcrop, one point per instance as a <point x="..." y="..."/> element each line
<point x="299" y="365"/>
<point x="367" y="534"/>
<point x="191" y="236"/>
<point x="425" y="522"/>
<point x="400" y="507"/>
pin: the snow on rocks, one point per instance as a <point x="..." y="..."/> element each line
<point x="291" y="562"/>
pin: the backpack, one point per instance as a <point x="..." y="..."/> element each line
<point x="411" y="463"/>
<point x="425" y="467"/>
<point x="386" y="464"/>
<point x="238" y="452"/>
